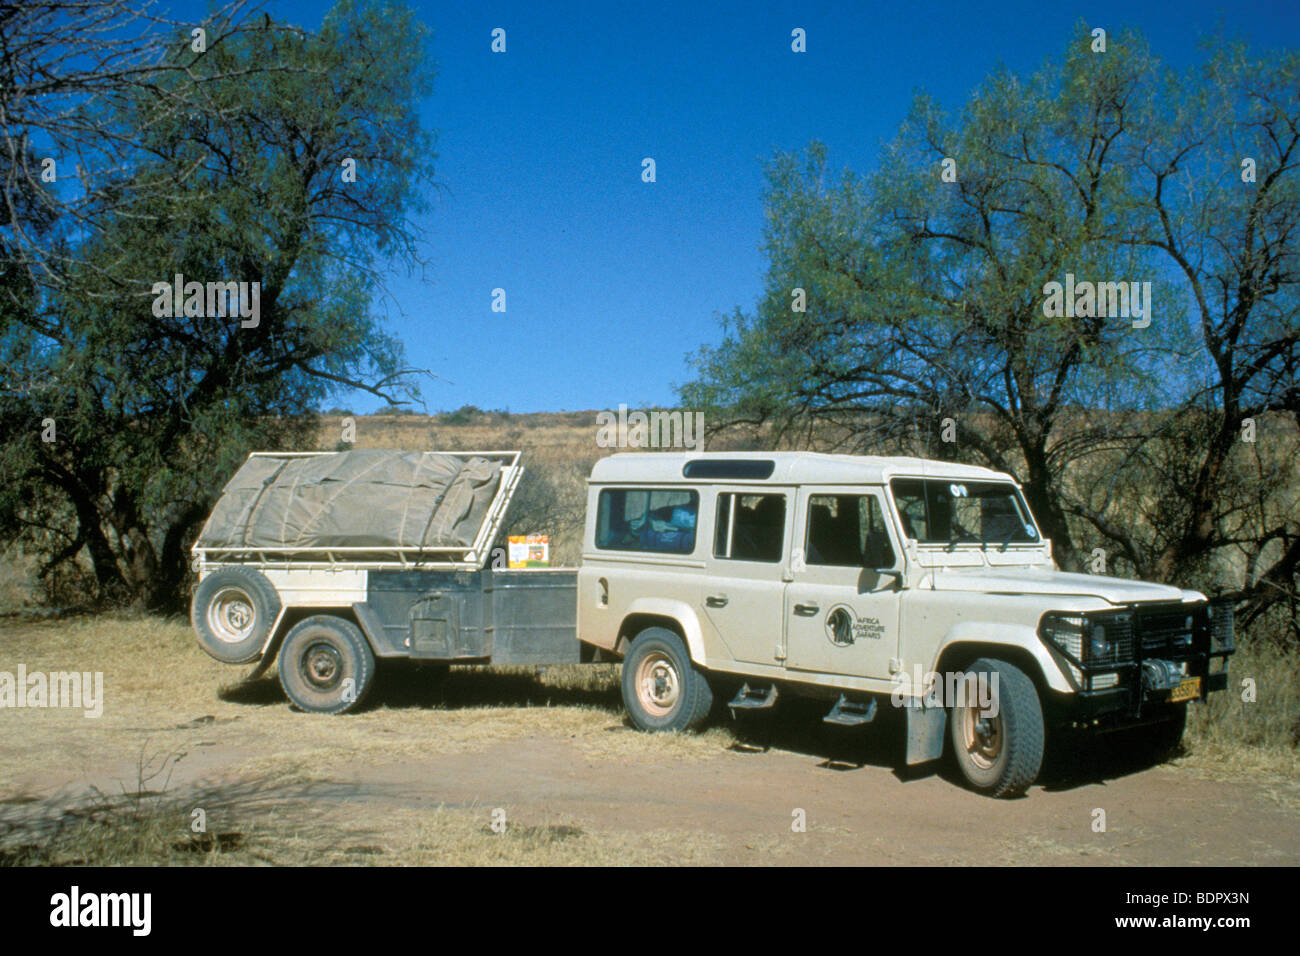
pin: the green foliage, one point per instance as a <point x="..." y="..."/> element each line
<point x="238" y="177"/>
<point x="925" y="299"/>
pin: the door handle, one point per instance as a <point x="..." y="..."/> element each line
<point x="716" y="600"/>
<point x="807" y="610"/>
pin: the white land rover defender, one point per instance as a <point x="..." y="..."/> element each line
<point x="866" y="582"/>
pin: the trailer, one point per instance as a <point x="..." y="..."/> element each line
<point x="330" y="560"/>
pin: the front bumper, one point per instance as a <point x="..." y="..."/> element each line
<point x="1157" y="655"/>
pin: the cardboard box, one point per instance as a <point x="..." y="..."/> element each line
<point x="528" y="551"/>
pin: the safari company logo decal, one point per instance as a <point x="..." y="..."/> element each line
<point x="844" y="629"/>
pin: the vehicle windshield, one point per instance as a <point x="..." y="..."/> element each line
<point x="953" y="512"/>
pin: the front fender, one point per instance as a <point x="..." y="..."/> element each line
<point x="1018" y="636"/>
<point x="679" y="611"/>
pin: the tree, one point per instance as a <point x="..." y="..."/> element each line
<point x="1172" y="445"/>
<point x="925" y="284"/>
<point x="240" y="173"/>
<point x="1221" y="200"/>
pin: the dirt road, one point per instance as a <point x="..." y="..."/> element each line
<point x="422" y="775"/>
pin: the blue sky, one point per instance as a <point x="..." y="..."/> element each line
<point x="612" y="282"/>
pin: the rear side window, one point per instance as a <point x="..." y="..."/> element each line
<point x="647" y="519"/>
<point x="749" y="527"/>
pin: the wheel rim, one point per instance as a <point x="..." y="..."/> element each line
<point x="658" y="684"/>
<point x="982" y="737"/>
<point x="321" y="665"/>
<point x="231" y="615"/>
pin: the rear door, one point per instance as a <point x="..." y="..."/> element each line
<point x="841" y="612"/>
<point x="744" y="583"/>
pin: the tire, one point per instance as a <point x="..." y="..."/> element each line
<point x="233" y="611"/>
<point x="1155" y="743"/>
<point x="1002" y="755"/>
<point x="326" y="665"/>
<point x="1165" y="739"/>
<point x="662" y="689"/>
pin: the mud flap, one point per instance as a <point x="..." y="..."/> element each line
<point x="925" y="732"/>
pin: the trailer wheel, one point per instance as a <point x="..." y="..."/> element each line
<point x="999" y="752"/>
<point x="233" y="611"/>
<point x="662" y="689"/>
<point x="326" y="666"/>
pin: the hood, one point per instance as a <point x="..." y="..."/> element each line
<point x="1044" y="581"/>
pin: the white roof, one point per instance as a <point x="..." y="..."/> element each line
<point x="791" y="468"/>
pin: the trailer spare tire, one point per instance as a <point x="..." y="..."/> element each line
<point x="233" y="611"/>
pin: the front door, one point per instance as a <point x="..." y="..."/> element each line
<point x="841" y="611"/>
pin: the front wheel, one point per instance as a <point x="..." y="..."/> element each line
<point x="662" y="689"/>
<point x="996" y="728"/>
<point x="326" y="666"/>
<point x="1154" y="743"/>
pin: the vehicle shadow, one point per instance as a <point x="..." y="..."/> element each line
<point x="795" y="725"/>
<point x="1071" y="761"/>
<point x="407" y="686"/>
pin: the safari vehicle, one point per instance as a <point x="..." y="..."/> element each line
<point x="865" y="582"/>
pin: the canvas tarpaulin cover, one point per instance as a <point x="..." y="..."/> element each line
<point x="354" y="499"/>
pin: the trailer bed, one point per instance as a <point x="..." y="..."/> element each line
<point x="506" y="617"/>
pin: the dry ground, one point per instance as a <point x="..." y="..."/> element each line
<point x="417" y="776"/>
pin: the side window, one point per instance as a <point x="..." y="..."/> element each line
<point x="749" y="527"/>
<point x="847" y="531"/>
<point x="910" y="496"/>
<point x="639" y="519"/>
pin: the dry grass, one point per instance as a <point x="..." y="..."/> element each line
<point x="294" y="834"/>
<point x="166" y="701"/>
<point x="161" y="689"/>
<point x="1229" y="737"/>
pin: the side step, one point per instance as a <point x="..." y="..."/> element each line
<point x="852" y="713"/>
<point x="748" y="698"/>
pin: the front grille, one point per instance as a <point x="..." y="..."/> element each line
<point x="1166" y="632"/>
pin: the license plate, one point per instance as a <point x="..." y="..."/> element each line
<point x="1187" y="690"/>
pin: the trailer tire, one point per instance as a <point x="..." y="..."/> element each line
<point x="233" y="611"/>
<point x="1001" y="755"/>
<point x="662" y="688"/>
<point x="326" y="665"/>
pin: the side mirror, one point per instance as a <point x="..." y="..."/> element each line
<point x="891" y="573"/>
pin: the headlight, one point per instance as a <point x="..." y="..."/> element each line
<point x="1065" y="631"/>
<point x="1098" y="648"/>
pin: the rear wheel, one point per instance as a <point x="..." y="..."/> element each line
<point x="998" y="749"/>
<point x="326" y="666"/>
<point x="233" y="611"/>
<point x="662" y="688"/>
